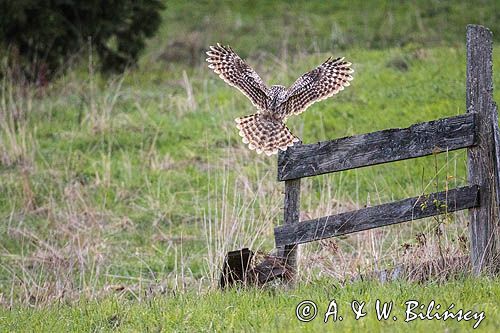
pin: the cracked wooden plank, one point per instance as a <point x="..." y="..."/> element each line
<point x="378" y="147"/>
<point x="377" y="216"/>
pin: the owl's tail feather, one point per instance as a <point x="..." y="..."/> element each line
<point x="265" y="134"/>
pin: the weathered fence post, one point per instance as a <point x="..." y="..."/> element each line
<point x="291" y="215"/>
<point x="482" y="168"/>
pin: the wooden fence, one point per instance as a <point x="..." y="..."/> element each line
<point x="477" y="130"/>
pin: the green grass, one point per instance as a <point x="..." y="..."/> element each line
<point x="283" y="27"/>
<point x="127" y="183"/>
<point x="270" y="310"/>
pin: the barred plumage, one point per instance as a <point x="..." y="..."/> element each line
<point x="265" y="131"/>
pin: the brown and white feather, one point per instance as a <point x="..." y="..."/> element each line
<point x="235" y="72"/>
<point x="265" y="131"/>
<point x="322" y="82"/>
<point x="265" y="134"/>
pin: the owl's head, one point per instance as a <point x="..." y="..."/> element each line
<point x="277" y="94"/>
<point x="277" y="89"/>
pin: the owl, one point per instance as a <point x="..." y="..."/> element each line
<point x="265" y="131"/>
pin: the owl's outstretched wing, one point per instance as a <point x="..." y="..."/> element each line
<point x="322" y="82"/>
<point x="234" y="71"/>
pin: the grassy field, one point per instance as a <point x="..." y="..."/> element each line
<point x="270" y="310"/>
<point x="119" y="196"/>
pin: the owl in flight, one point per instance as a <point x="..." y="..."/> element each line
<point x="265" y="131"/>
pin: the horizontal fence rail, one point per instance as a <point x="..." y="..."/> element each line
<point x="378" y="216"/>
<point x="378" y="147"/>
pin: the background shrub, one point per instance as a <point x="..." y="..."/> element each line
<point x="41" y="35"/>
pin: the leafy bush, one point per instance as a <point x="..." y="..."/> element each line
<point x="42" y="34"/>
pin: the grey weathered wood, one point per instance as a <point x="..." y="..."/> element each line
<point x="481" y="158"/>
<point x="235" y="267"/>
<point x="378" y="216"/>
<point x="496" y="138"/>
<point x="291" y="217"/>
<point x="377" y="147"/>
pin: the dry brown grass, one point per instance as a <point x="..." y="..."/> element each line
<point x="17" y="146"/>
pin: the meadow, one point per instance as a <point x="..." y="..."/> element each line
<point x="119" y="196"/>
